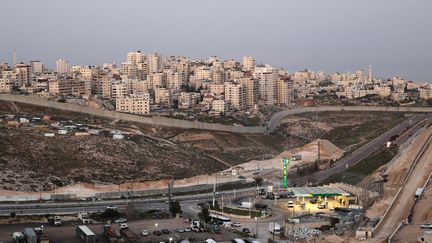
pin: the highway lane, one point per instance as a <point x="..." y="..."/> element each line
<point x="409" y="126"/>
<point x="93" y="206"/>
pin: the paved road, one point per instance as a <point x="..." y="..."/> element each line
<point x="75" y="207"/>
<point x="403" y="129"/>
<point x="405" y="200"/>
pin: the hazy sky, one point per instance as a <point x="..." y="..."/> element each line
<point x="395" y="36"/>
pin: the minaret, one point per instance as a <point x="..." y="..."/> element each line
<point x="14" y="57"/>
<point x="370" y="73"/>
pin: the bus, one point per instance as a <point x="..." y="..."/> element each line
<point x="85" y="234"/>
<point x="221" y="220"/>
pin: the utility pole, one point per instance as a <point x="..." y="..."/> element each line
<point x="170" y="189"/>
<point x="214" y="190"/>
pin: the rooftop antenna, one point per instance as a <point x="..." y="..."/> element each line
<point x="14" y="57"/>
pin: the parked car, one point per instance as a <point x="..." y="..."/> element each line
<point x="321" y="206"/>
<point x="290" y="204"/>
<point x="144" y="233"/>
<point x="120" y="220"/>
<point x="157" y="232"/>
<point x="165" y="231"/>
<point x="236" y="224"/>
<point x="246" y="230"/>
<point x="187" y="229"/>
<point x="426" y="226"/>
<point x="180" y="230"/>
<point x="313" y="201"/>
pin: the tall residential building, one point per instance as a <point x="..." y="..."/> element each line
<point x="267" y="79"/>
<point x="155" y="63"/>
<point x="251" y="90"/>
<point x="284" y="91"/>
<point x="22" y="74"/>
<point x="36" y="67"/>
<point x="102" y="87"/>
<point x="63" y="66"/>
<point x="136" y="57"/>
<point x="248" y="63"/>
<point x="129" y="69"/>
<point x="235" y="95"/>
<point x="137" y="104"/>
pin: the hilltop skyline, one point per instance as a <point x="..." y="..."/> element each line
<point x="334" y="36"/>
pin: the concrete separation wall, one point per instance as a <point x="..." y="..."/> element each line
<point x="277" y="117"/>
<point x="155" y="120"/>
<point x="177" y="123"/>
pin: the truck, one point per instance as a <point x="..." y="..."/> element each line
<point x="274" y="228"/>
<point x="418" y="192"/>
<point x="246" y="205"/>
<point x="84" y="217"/>
<point x="30" y="235"/>
<point x="85" y="234"/>
<point x="128" y="234"/>
<point x="54" y="220"/>
<point x="18" y="237"/>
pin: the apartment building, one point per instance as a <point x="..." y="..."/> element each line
<point x="426" y="93"/>
<point x="219" y="106"/>
<point x="118" y="90"/>
<point x="22" y="74"/>
<point x="162" y="97"/>
<point x="187" y="100"/>
<point x="267" y="78"/>
<point x="136" y="57"/>
<point x="217" y="89"/>
<point x="69" y="87"/>
<point x="284" y="91"/>
<point x="235" y="95"/>
<point x="248" y="63"/>
<point x="130" y="70"/>
<point x="62" y="66"/>
<point x="136" y="104"/>
<point x="5" y="85"/>
<point x="251" y="91"/>
<point x="155" y="63"/>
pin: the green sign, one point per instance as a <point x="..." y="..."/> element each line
<point x="285" y="162"/>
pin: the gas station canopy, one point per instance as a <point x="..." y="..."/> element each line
<point x="317" y="191"/>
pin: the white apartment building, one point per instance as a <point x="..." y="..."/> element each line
<point x="235" y="95"/>
<point x="248" y="63"/>
<point x="137" y="104"/>
<point x="62" y="66"/>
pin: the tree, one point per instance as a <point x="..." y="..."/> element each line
<point x="205" y="214"/>
<point x="258" y="180"/>
<point x="175" y="208"/>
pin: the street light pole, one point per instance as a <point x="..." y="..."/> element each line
<point x="256" y="227"/>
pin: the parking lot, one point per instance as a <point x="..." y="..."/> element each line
<point x="66" y="232"/>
